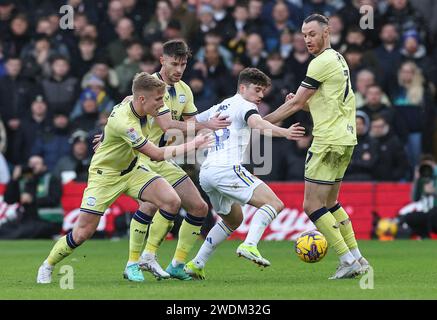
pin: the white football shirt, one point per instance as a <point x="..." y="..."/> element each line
<point x="230" y="143"/>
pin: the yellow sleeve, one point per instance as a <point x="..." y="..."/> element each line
<point x="318" y="71"/>
<point x="131" y="133"/>
<point x="163" y="110"/>
<point x="190" y="108"/>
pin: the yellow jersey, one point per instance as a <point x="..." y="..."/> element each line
<point x="179" y="101"/>
<point x="332" y="106"/>
<point x="124" y="134"/>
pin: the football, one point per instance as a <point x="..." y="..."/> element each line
<point x="311" y="246"/>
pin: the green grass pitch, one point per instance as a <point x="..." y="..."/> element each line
<point x="402" y="270"/>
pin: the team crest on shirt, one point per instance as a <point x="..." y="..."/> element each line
<point x="91" y="201"/>
<point x="132" y="134"/>
<point x="182" y="98"/>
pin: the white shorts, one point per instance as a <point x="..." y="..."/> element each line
<point x="227" y="185"/>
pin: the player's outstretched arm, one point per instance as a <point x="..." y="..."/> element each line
<point x="201" y="141"/>
<point x="294" y="132"/>
<point x="166" y="123"/>
<point x="291" y="106"/>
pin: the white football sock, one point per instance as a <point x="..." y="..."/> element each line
<point x="216" y="235"/>
<point x="262" y="218"/>
<point x="347" y="257"/>
<point x="357" y="254"/>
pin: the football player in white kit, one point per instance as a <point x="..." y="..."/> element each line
<point x="227" y="183"/>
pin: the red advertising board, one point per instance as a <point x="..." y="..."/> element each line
<point x="359" y="200"/>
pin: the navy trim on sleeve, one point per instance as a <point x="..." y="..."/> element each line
<point x="190" y="114"/>
<point x="163" y="112"/>
<point x="249" y="113"/>
<point x="310" y="83"/>
<point x="142" y="144"/>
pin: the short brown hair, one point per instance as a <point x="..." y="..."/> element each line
<point x="145" y="82"/>
<point x="177" y="49"/>
<point x="254" y="76"/>
<point x="321" y="19"/>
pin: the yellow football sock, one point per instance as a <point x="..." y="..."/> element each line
<point x="346" y="228"/>
<point x="62" y="249"/>
<point x="138" y="229"/>
<point x="161" y="225"/>
<point x="328" y="226"/>
<point x="188" y="234"/>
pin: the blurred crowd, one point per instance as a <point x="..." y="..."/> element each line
<point x="58" y="86"/>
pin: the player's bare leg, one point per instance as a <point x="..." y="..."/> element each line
<point x="315" y="202"/>
<point x="346" y="228"/>
<point x="84" y="229"/>
<point x="219" y="233"/>
<point x="269" y="205"/>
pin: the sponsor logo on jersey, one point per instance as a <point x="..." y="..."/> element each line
<point x="132" y="134"/>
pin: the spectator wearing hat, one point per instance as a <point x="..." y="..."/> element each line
<point x="87" y="121"/>
<point x="130" y="66"/>
<point x="97" y="86"/>
<point x="413" y="50"/>
<point x="37" y="123"/>
<point x="104" y="72"/>
<point x="53" y="144"/>
<point x="75" y="165"/>
<point x="60" y="89"/>
<point x="365" y="155"/>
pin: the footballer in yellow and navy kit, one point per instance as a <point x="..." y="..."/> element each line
<point x="333" y="111"/>
<point x="115" y="168"/>
<point x="178" y="100"/>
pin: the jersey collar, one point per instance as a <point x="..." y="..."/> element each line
<point x="142" y="119"/>
<point x="170" y="89"/>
